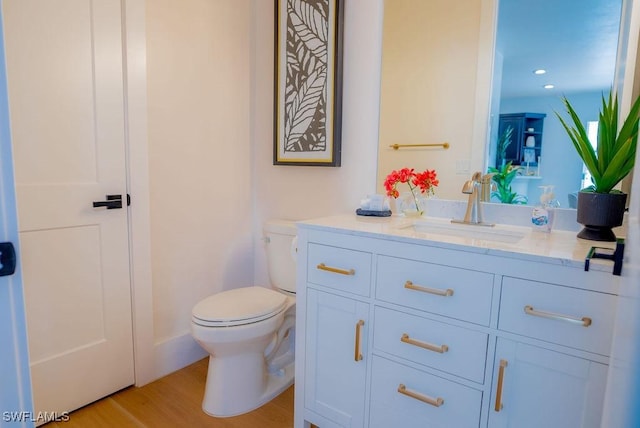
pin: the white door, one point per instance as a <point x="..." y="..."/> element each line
<point x="15" y="390"/>
<point x="66" y="101"/>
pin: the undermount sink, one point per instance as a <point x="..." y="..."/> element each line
<point x="496" y="233"/>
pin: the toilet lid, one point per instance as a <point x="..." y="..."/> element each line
<point x="239" y="306"/>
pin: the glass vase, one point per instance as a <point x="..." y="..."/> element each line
<point x="412" y="204"/>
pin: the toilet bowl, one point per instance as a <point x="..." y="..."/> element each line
<point x="249" y="333"/>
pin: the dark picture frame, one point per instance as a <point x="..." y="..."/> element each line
<point x="308" y="82"/>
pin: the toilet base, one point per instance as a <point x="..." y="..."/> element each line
<point x="220" y="404"/>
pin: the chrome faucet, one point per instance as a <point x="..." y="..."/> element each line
<point x="473" y="188"/>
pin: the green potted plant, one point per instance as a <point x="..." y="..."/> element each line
<point x="504" y="140"/>
<point x="503" y="178"/>
<point x="600" y="206"/>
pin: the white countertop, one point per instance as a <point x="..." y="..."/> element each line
<point x="557" y="247"/>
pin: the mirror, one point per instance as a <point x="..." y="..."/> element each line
<point x="575" y="41"/>
<point x="575" y="44"/>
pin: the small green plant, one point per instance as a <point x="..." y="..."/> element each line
<point x="616" y="151"/>
<point x="504" y="141"/>
<point x="503" y="178"/>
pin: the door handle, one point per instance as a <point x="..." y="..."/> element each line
<point x="112" y="202"/>
<point x="7" y="259"/>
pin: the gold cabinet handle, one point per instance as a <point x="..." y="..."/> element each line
<point x="358" y="354"/>
<point x="436" y="402"/>
<point x="435" y="348"/>
<point x="411" y="286"/>
<point x="503" y="364"/>
<point x="322" y="266"/>
<point x="584" y="321"/>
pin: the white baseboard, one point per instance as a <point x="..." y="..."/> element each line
<point x="175" y="353"/>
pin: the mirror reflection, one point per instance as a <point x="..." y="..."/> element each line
<point x="574" y="41"/>
<point x="546" y="49"/>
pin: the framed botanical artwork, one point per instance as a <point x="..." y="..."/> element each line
<point x="308" y="82"/>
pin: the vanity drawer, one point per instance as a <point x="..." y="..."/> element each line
<point x="392" y="408"/>
<point x="452" y="349"/>
<point x="567" y="316"/>
<point x="443" y="290"/>
<point x="339" y="268"/>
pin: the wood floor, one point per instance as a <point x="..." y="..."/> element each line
<point x="174" y="401"/>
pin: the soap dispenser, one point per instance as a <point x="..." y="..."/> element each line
<point x="543" y="213"/>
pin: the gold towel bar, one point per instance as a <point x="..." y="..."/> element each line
<point x="398" y="146"/>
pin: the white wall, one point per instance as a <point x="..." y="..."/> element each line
<point x="198" y="69"/>
<point x="300" y="192"/>
<point x="210" y="126"/>
<point x="210" y="131"/>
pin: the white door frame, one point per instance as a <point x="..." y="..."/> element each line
<point x="15" y="393"/>
<point x="623" y="390"/>
<point x="135" y="83"/>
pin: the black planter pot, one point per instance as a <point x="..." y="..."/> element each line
<point x="599" y="213"/>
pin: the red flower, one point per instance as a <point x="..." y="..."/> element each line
<point x="425" y="181"/>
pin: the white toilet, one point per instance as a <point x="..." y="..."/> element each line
<point x="249" y="333"/>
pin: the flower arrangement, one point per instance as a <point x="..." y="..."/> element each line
<point x="423" y="181"/>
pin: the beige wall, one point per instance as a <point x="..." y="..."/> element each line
<point x="198" y="70"/>
<point x="439" y="39"/>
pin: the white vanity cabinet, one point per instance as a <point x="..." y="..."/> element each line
<point x="542" y="385"/>
<point x="429" y="357"/>
<point x="408" y="332"/>
<point x="336" y="333"/>
<point x="335" y="368"/>
<point x="536" y="387"/>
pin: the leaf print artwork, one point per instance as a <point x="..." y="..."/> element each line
<point x="308" y="85"/>
<point x="306" y="76"/>
<point x="302" y="110"/>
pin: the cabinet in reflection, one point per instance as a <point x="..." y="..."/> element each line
<point x="526" y="138"/>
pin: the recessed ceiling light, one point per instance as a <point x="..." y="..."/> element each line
<point x="549" y="86"/>
<point x="539" y="71"/>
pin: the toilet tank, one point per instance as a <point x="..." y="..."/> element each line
<point x="281" y="253"/>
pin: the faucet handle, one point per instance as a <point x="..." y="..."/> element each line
<point x="488" y="176"/>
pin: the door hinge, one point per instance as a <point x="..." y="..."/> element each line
<point x="128" y="199"/>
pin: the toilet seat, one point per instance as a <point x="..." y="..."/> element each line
<point x="238" y="307"/>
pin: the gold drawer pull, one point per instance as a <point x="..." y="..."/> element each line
<point x="437" y="402"/>
<point x="358" y="354"/>
<point x="322" y="266"/>
<point x="503" y="364"/>
<point x="435" y="348"/>
<point x="584" y="321"/>
<point x="411" y="286"/>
